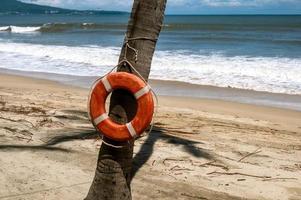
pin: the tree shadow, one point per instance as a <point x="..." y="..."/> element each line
<point x="139" y="159"/>
<point x="32" y="147"/>
<point x="48" y="146"/>
<point x="77" y="135"/>
<point x="158" y="133"/>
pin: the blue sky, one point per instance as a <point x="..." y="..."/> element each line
<point x="189" y="6"/>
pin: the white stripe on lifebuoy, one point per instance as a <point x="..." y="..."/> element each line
<point x="100" y="119"/>
<point x="142" y="92"/>
<point x="107" y="84"/>
<point x="131" y="129"/>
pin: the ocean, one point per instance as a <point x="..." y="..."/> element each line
<point x="260" y="53"/>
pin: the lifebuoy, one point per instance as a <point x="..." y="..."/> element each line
<point x="96" y="106"/>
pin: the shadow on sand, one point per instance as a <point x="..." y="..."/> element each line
<point x="139" y="159"/>
<point x="157" y="134"/>
<point x="49" y="145"/>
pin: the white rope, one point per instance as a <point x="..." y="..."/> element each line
<point x="112" y="145"/>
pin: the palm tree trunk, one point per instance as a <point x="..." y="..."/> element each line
<point x="113" y="173"/>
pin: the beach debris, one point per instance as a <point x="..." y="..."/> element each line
<point x="49" y="122"/>
<point x="283" y="179"/>
<point x="25" y="134"/>
<point x="13" y="130"/>
<point x="197" y="163"/>
<point x="218" y="165"/>
<point x="194" y="197"/>
<point x="238" y="173"/>
<point x="18" y="121"/>
<point x="178" y="168"/>
<point x="26" y="110"/>
<point x="204" y="164"/>
<point x="172" y="176"/>
<point x="250" y="154"/>
<point x="24" y="138"/>
<point x="174" y="159"/>
<point x="169" y="130"/>
<point x="265" y="178"/>
<point x="154" y="161"/>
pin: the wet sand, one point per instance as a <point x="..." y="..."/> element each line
<point x="199" y="148"/>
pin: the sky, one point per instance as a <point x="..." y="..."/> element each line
<point x="188" y="6"/>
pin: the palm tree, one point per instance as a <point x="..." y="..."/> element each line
<point x="113" y="172"/>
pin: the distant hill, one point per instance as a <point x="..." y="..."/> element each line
<point x="17" y="7"/>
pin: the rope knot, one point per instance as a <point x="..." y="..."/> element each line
<point x="128" y="46"/>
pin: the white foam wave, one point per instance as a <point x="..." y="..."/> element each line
<point x="281" y="75"/>
<point x="20" y="29"/>
<point x="4" y="28"/>
<point x="87" y="24"/>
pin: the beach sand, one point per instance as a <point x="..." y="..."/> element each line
<point x="199" y="148"/>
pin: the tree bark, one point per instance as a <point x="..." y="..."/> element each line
<point x="113" y="173"/>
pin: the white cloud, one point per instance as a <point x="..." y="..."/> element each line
<point x="244" y="3"/>
<point x="85" y="4"/>
<point x="126" y="4"/>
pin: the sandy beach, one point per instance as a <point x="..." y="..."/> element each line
<point x="199" y="148"/>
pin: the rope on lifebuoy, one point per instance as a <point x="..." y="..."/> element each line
<point x="150" y="88"/>
<point x="137" y="95"/>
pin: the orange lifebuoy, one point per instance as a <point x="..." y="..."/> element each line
<point x="145" y="106"/>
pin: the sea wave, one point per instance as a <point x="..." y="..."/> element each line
<point x="271" y="74"/>
<point x="19" y="29"/>
<point x="231" y="27"/>
<point x="60" y="27"/>
<point x="210" y="35"/>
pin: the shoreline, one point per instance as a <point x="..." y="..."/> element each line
<point x="182" y="89"/>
